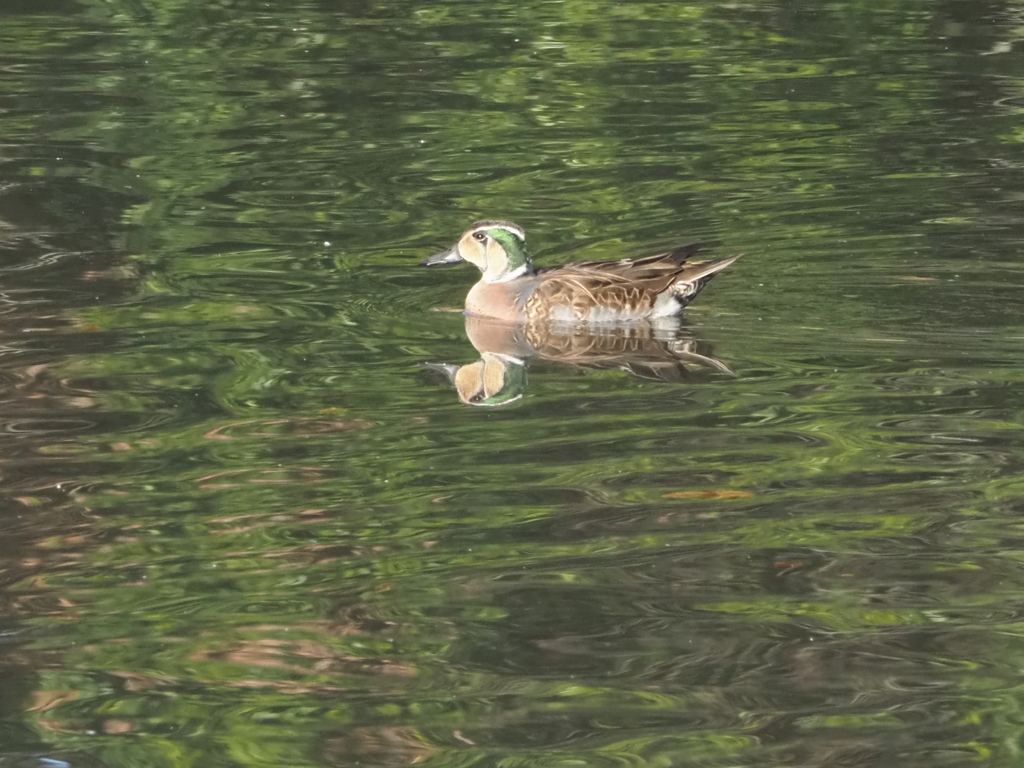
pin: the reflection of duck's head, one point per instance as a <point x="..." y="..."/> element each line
<point x="491" y="381"/>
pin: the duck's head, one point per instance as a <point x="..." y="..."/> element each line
<point x="496" y="248"/>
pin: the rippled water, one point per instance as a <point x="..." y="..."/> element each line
<point x="247" y="519"/>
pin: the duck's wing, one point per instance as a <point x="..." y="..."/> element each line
<point x="654" y="267"/>
<point x="625" y="289"/>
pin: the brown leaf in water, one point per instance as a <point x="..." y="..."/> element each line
<point x="114" y="726"/>
<point x="44" y="701"/>
<point x="707" y="495"/>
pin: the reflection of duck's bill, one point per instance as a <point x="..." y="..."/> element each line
<point x="448" y="369"/>
<point x="451" y="256"/>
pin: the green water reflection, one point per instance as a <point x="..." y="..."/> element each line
<point x="243" y="524"/>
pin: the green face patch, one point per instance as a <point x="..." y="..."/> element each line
<point x="514" y="247"/>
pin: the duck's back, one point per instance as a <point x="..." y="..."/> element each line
<point x="620" y="291"/>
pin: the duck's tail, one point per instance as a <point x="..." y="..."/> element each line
<point x="696" y="276"/>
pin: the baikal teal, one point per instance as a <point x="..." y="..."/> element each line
<point x="242" y="525"/>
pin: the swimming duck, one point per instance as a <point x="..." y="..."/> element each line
<point x="512" y="290"/>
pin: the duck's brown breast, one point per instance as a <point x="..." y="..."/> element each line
<point x="501" y="301"/>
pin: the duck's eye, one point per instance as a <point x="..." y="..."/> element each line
<point x="479" y="236"/>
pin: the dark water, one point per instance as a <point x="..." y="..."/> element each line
<point x="243" y="524"/>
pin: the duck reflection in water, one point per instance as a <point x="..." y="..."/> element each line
<point x="661" y="352"/>
<point x="598" y="314"/>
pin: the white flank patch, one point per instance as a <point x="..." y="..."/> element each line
<point x="562" y="313"/>
<point x="665" y="305"/>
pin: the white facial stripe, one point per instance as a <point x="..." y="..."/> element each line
<point x="507" y="227"/>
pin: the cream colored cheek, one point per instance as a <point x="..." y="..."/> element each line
<point x="471" y="251"/>
<point x="496" y="253"/>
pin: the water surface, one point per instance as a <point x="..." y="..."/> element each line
<point x="244" y="523"/>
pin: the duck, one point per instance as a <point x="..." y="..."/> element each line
<point x="512" y="290"/>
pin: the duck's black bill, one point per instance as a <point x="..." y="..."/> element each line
<point x="451" y="256"/>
